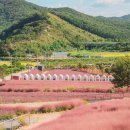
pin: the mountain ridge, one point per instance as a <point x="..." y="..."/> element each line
<point x="41" y="29"/>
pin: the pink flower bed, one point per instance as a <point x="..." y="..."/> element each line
<point x="33" y="86"/>
<point x="66" y="71"/>
<point x="48" y="107"/>
<point x="109" y="115"/>
<point x="22" y="97"/>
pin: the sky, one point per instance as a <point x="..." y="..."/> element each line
<point x="108" y="8"/>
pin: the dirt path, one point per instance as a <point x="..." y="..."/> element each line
<point x="42" y="118"/>
<point x="38" y="104"/>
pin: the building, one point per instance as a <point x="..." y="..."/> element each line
<point x="59" y="55"/>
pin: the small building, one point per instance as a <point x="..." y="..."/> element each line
<point x="59" y="55"/>
<point x="40" y="67"/>
<point x="16" y="77"/>
<point x="86" y="56"/>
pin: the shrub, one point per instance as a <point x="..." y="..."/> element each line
<point x="22" y="121"/>
<point x="6" y="117"/>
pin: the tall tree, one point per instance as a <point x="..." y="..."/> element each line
<point x="121" y="72"/>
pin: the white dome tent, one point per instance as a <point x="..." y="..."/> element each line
<point x="26" y="77"/>
<point x="97" y="78"/>
<point x="110" y="78"/>
<point x="86" y="78"/>
<point x="32" y="77"/>
<point x="38" y="77"/>
<point x="67" y="77"/>
<point x="55" y="77"/>
<point x="91" y="78"/>
<point x="43" y="77"/>
<point x="73" y="77"/>
<point x="61" y="77"/>
<point x="104" y="78"/>
<point x="79" y="77"/>
<point x="49" y="77"/>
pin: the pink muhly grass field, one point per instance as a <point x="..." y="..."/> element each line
<point x="23" y="97"/>
<point x="109" y="115"/>
<point x="40" y="85"/>
<point x="46" y="107"/>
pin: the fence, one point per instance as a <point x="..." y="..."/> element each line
<point x="17" y="122"/>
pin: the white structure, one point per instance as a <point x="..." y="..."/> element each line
<point x="49" y="77"/>
<point x="32" y="77"/>
<point x="43" y="77"/>
<point x="73" y="77"/>
<point x="110" y="78"/>
<point x="91" y="78"/>
<point x="61" y="77"/>
<point x="26" y="77"/>
<point x="55" y="77"/>
<point x="104" y="78"/>
<point x="67" y="77"/>
<point x="86" y="78"/>
<point x="38" y="77"/>
<point x="97" y="78"/>
<point x="79" y="77"/>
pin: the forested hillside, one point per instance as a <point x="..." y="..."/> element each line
<point x="12" y="11"/>
<point x="109" y="28"/>
<point x="28" y="28"/>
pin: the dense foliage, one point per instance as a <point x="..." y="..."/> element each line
<point x="12" y="11"/>
<point x="121" y="72"/>
<point x="27" y="28"/>
<point x="103" y="46"/>
<point x="116" y="30"/>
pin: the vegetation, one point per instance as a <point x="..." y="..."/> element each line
<point x="11" y="11"/>
<point x="116" y="30"/>
<point x="121" y="72"/>
<point x="35" y="30"/>
<point x="103" y="46"/>
<point x="106" y="115"/>
<point x="76" y="62"/>
<point x="98" y="54"/>
<point x="6" y="68"/>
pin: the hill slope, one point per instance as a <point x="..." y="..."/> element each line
<point x="47" y="32"/>
<point x="101" y="26"/>
<point x="28" y="28"/>
<point x="12" y="11"/>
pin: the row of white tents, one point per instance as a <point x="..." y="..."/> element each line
<point x="67" y="77"/>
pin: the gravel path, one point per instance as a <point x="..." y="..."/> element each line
<point x="42" y="118"/>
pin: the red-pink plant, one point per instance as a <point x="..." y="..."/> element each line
<point x="62" y="105"/>
<point x="109" y="115"/>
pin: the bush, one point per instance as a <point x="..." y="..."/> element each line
<point x="6" y="117"/>
<point x="22" y="121"/>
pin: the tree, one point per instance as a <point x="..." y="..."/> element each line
<point x="121" y="72"/>
<point x="2" y="75"/>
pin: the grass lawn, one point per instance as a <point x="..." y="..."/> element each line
<point x="103" y="54"/>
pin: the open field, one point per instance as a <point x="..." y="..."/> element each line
<point x="24" y="97"/>
<point x="25" y="86"/>
<point x="102" y="54"/>
<point x="23" y="63"/>
<point x="43" y="107"/>
<point x="108" y="115"/>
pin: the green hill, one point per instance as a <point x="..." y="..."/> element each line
<point x="44" y="32"/>
<point x="116" y="30"/>
<point x="39" y="30"/>
<point x="28" y="28"/>
<point x="12" y="11"/>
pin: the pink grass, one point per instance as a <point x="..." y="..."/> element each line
<point x="7" y="109"/>
<point x="110" y="115"/>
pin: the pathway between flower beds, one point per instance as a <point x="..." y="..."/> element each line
<point x="42" y="118"/>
